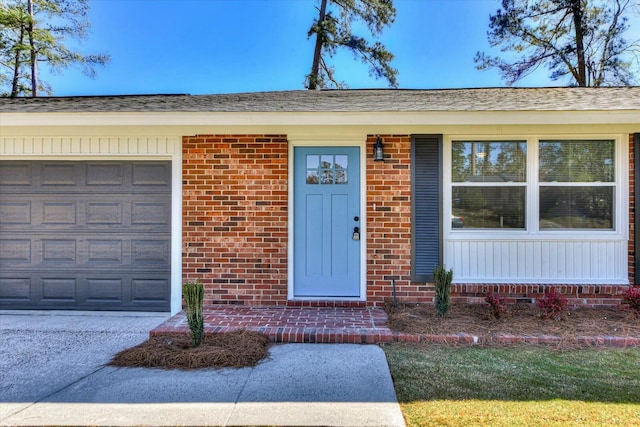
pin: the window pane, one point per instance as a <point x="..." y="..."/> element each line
<point x="486" y="161"/>
<point x="327" y="162"/>
<point x="341" y="176"/>
<point x="342" y="162"/>
<point x="312" y="177"/>
<point x="577" y="161"/>
<point x="576" y="207"/>
<point x="312" y="161"/>
<point x="326" y="177"/>
<point x="488" y="207"/>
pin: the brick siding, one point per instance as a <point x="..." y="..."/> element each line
<point x="234" y="211"/>
<point x="389" y="221"/>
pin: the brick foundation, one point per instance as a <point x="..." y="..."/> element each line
<point x="595" y="296"/>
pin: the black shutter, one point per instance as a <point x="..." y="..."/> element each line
<point x="426" y="204"/>
<point x="636" y="190"/>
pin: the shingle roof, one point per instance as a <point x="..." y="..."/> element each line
<point x="370" y="100"/>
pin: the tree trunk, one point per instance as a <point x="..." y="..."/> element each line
<point x="15" y="82"/>
<point x="32" y="49"/>
<point x="576" y="8"/>
<point x="315" y="67"/>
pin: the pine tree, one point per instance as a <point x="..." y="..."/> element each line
<point x="34" y="32"/>
<point x="332" y="30"/>
<point x="580" y="41"/>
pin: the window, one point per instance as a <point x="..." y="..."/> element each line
<point x="515" y="208"/>
<point x="577" y="184"/>
<point x="573" y="185"/>
<point x="488" y="184"/>
<point x="327" y="169"/>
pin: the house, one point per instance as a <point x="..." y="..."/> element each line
<point x="112" y="202"/>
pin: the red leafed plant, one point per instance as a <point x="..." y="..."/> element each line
<point x="632" y="297"/>
<point x="552" y="306"/>
<point x="497" y="305"/>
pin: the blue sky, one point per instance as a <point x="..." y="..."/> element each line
<point x="226" y="46"/>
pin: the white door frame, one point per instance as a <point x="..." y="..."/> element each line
<point x="343" y="139"/>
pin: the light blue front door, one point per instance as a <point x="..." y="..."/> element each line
<point x="326" y="214"/>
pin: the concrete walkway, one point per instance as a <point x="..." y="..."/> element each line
<point x="53" y="373"/>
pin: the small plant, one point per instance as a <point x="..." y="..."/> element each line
<point x="193" y="297"/>
<point x="552" y="306"/>
<point x="632" y="297"/>
<point x="442" y="281"/>
<point x="497" y="305"/>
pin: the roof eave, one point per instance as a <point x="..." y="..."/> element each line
<point x="389" y="118"/>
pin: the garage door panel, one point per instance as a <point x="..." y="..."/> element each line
<point x="15" y="212"/>
<point x="60" y="174"/>
<point x="15" y="289"/>
<point x="86" y="212"/>
<point x="151" y="174"/>
<point x="107" y="213"/>
<point x="85" y="249"/>
<point x="150" y="213"/>
<point x="15" y="251"/>
<point x="95" y="176"/>
<point x="139" y="290"/>
<point x="147" y="290"/>
<point x="105" y="291"/>
<point x="20" y="174"/>
<point x="59" y="213"/>
<point x="101" y="174"/>
<point x="59" y="251"/>
<point x="75" y="251"/>
<point x="147" y="251"/>
<point x="58" y="290"/>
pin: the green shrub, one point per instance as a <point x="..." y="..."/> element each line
<point x="442" y="281"/>
<point x="193" y="297"/>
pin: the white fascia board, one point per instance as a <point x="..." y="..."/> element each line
<point x="331" y="118"/>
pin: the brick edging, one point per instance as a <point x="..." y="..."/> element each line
<point x="385" y="335"/>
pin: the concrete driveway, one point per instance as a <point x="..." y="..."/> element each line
<point x="53" y="371"/>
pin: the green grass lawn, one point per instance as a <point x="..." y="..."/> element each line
<point x="516" y="386"/>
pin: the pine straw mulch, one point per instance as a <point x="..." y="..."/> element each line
<point x="521" y="320"/>
<point x="235" y="349"/>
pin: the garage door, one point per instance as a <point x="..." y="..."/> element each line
<point x="85" y="235"/>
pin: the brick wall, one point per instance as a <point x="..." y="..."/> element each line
<point x="389" y="221"/>
<point x="235" y="217"/>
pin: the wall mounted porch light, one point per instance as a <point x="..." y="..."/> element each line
<point x="378" y="151"/>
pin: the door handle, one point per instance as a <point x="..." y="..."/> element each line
<point x="356" y="233"/>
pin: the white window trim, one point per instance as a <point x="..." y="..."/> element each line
<point x="532" y="231"/>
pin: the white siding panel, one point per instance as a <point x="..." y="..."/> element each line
<point x="522" y="259"/>
<point x="87" y="146"/>
<point x="540" y="261"/>
<point x="473" y="260"/>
